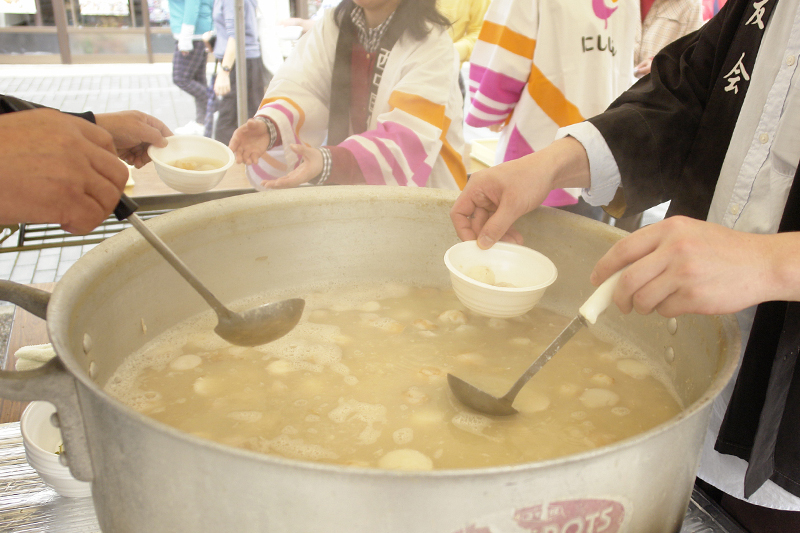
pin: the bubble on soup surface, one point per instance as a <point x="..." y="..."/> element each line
<point x="340" y="368"/>
<point x="370" y="307"/>
<point x="405" y="459"/>
<point x="186" y="362"/>
<point x="498" y="323"/>
<point x="601" y="380"/>
<point x="481" y="273"/>
<point x="414" y="396"/>
<point x="352" y="409"/>
<point x="569" y="389"/>
<point x="424" y="324"/>
<point x="432" y="373"/>
<point x="471" y="422"/>
<point x="343" y="340"/>
<point x="369" y="435"/>
<point x="386" y="324"/>
<point x="520" y="341"/>
<point x="453" y="316"/>
<point x="633" y="368"/>
<point x="471" y="358"/>
<point x="595" y="398"/>
<point x="245" y="416"/>
<point x="280" y="367"/>
<point x="298" y="449"/>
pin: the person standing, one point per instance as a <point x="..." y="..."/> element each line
<point x="663" y="21"/>
<point x="225" y="53"/>
<point x="539" y="65"/>
<point x="189" y="20"/>
<point x="369" y="95"/>
<point x="712" y="129"/>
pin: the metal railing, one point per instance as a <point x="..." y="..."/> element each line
<point x="41" y="236"/>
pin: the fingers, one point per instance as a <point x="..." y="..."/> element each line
<point x="156" y="132"/>
<point x="249" y="142"/>
<point x="73" y="176"/>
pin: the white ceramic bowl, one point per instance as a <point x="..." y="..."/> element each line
<point x="41" y="440"/>
<point x="191" y="146"/>
<point x="527" y="271"/>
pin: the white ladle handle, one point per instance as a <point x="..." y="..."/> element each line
<point x="600" y="299"/>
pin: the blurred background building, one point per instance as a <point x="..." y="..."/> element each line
<point x="103" y="31"/>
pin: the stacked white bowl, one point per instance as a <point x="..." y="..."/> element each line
<point x="41" y="441"/>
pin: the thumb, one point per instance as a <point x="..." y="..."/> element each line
<point x="495" y="228"/>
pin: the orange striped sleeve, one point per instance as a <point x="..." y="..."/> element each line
<point x="551" y="100"/>
<point x="507" y="39"/>
<point x="453" y="160"/>
<point x="301" y="116"/>
<point x="417" y="106"/>
<point x="433" y="114"/>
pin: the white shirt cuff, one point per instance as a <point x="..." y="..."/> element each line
<point x="603" y="168"/>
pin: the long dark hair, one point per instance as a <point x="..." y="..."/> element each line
<point x="415" y="14"/>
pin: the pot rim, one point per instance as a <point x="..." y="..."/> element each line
<point x="76" y="278"/>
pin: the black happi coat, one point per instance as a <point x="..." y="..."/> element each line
<point x="669" y="135"/>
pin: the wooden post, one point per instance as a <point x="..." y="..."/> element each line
<point x="60" y="15"/>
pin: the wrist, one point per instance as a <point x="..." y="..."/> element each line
<point x="271" y="131"/>
<point x="570" y="164"/>
<point x="323" y="176"/>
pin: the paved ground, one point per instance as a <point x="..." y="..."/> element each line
<point x="101" y="88"/>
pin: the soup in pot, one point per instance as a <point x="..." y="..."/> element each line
<point x="362" y="381"/>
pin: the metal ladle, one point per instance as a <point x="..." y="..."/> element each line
<point x="253" y="327"/>
<point x="482" y="401"/>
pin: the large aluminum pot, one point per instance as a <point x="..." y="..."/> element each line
<point x="148" y="477"/>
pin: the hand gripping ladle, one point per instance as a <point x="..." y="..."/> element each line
<point x="482" y="401"/>
<point x="253" y="327"/>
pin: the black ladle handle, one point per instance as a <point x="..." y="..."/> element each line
<point x="125" y="208"/>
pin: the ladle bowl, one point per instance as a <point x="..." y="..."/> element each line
<point x="255" y="326"/>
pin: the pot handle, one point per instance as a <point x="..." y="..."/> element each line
<point x="51" y="382"/>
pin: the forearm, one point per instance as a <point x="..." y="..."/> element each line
<point x="229" y="57"/>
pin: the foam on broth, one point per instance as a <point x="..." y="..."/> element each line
<point x="362" y="381"/>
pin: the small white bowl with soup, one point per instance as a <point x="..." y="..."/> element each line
<point x="505" y="281"/>
<point x="190" y="163"/>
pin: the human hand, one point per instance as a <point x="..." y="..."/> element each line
<point x="496" y="128"/>
<point x="682" y="265"/>
<point x="222" y="83"/>
<point x="133" y="133"/>
<point x="58" y="169"/>
<point x="250" y="141"/>
<point x="496" y="197"/>
<point x="309" y="168"/>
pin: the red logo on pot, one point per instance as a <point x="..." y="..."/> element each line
<point x="572" y="516"/>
